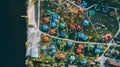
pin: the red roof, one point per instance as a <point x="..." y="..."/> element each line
<point x="46" y="20"/>
<point x="52" y="32"/>
<point x="81" y="10"/>
<point x="80" y="47"/>
<point x="46" y="39"/>
<point x="61" y="56"/>
<point x="105" y="38"/>
<point x="109" y="36"/>
<point x="78" y="1"/>
<point x="79" y="28"/>
<point x="72" y="26"/>
<point x="79" y="51"/>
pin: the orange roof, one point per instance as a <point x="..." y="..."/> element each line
<point x="61" y="56"/>
<point x="75" y="11"/>
<point x="109" y="36"/>
<point x="46" y="39"/>
<point x="52" y="32"/>
<point x="79" y="51"/>
<point x="80" y="47"/>
<point x="72" y="26"/>
<point x="46" y="20"/>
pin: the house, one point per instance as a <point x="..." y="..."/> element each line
<point x="106" y="9"/>
<point x="84" y="4"/>
<point x="83" y="62"/>
<point x="81" y="10"/>
<point x="69" y="44"/>
<point x="81" y="35"/>
<point x="72" y="26"/>
<point x="44" y="27"/>
<point x="53" y="25"/>
<point x="79" y="28"/>
<point x="63" y="34"/>
<point x="85" y="38"/>
<point x="59" y="42"/>
<point x="85" y="23"/>
<point x="97" y="51"/>
<point x="78" y="1"/>
<point x="48" y="57"/>
<point x="49" y="12"/>
<point x="113" y="63"/>
<point x="52" y="47"/>
<point x="46" y="20"/>
<point x="72" y="58"/>
<point x="107" y="37"/>
<point x="54" y="52"/>
<point x="62" y="25"/>
<point x="92" y="12"/>
<point x="45" y="39"/>
<point x="55" y="18"/>
<point x="61" y="56"/>
<point x="80" y="49"/>
<point x="43" y="48"/>
<point x="52" y="31"/>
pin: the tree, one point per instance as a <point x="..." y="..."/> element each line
<point x="81" y="57"/>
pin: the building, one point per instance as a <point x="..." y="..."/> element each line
<point x="113" y="63"/>
<point x="72" y="26"/>
<point x="79" y="28"/>
<point x="59" y="42"/>
<point x="63" y="34"/>
<point x="84" y="4"/>
<point x="72" y="58"/>
<point x="46" y="20"/>
<point x="78" y="1"/>
<point x="85" y="38"/>
<point x="81" y="35"/>
<point x="61" y="56"/>
<point x="54" y="52"/>
<point x="53" y="25"/>
<point x="45" y="39"/>
<point x="83" y="62"/>
<point x="52" y="31"/>
<point x="81" y="10"/>
<point x="69" y="44"/>
<point x="62" y="25"/>
<point x="49" y="12"/>
<point x="106" y="9"/>
<point x="44" y="27"/>
<point x="52" y="47"/>
<point x="107" y="37"/>
<point x="85" y="23"/>
<point x="43" y="48"/>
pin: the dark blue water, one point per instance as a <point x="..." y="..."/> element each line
<point x="15" y="33"/>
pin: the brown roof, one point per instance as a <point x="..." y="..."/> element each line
<point x="114" y="63"/>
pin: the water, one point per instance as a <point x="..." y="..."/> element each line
<point x="16" y="48"/>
